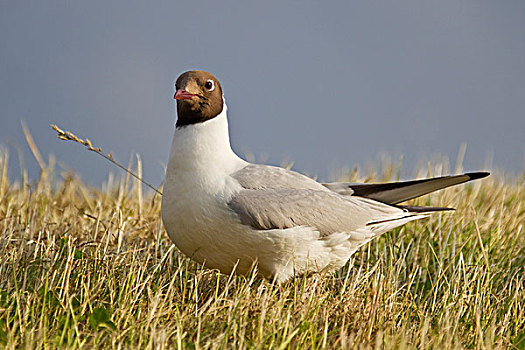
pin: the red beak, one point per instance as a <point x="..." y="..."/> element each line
<point x="183" y="95"/>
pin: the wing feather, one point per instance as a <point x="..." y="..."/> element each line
<point x="397" y="192"/>
<point x="326" y="212"/>
<point x="256" y="176"/>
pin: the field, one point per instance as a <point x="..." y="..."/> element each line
<point x="84" y="267"/>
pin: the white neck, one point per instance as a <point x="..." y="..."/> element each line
<point x="203" y="148"/>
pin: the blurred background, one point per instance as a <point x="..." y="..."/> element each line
<point x="327" y="85"/>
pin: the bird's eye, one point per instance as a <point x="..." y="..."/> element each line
<point x="210" y="85"/>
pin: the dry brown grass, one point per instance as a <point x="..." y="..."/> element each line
<point x="90" y="268"/>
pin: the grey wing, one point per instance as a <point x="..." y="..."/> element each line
<point x="255" y="176"/>
<point x="397" y="192"/>
<point x="325" y="211"/>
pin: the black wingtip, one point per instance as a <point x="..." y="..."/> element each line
<point x="477" y="175"/>
<point x="418" y="209"/>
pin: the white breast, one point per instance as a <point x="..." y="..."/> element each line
<point x="198" y="187"/>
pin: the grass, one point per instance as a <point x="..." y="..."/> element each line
<point x="84" y="267"/>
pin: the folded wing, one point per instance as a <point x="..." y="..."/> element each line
<point x="397" y="192"/>
<point x="326" y="212"/>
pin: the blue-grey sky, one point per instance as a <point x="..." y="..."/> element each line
<point x="328" y="85"/>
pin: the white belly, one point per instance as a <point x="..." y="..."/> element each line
<point x="207" y="231"/>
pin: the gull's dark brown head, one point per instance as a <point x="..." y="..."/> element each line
<point x="199" y="97"/>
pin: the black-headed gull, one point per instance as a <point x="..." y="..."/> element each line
<point x="227" y="213"/>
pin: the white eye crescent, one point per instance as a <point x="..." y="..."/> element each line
<point x="209" y="85"/>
